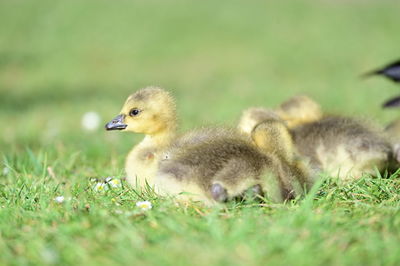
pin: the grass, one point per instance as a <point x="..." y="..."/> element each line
<point x="60" y="59"/>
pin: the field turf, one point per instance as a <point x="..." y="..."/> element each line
<point x="62" y="59"/>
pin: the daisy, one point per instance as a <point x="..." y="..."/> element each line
<point x="115" y="183"/>
<point x="59" y="199"/>
<point x="100" y="187"/>
<point x="144" y="205"/>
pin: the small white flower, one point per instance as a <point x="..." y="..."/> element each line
<point x="144" y="205"/>
<point x="100" y="187"/>
<point x="50" y="256"/>
<point x="59" y="199"/>
<point x="90" y="121"/>
<point x="6" y="170"/>
<point x="115" y="183"/>
<point x="118" y="212"/>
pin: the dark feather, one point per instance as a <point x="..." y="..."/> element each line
<point x="390" y="71"/>
<point x="393" y="102"/>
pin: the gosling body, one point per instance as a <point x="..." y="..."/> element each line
<point x="337" y="146"/>
<point x="342" y="147"/>
<point x="222" y="165"/>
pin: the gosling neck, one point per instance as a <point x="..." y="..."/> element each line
<point x="162" y="138"/>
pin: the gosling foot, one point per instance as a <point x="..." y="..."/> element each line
<point x="219" y="193"/>
<point x="253" y="193"/>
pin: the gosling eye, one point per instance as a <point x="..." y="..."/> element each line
<point x="134" y="112"/>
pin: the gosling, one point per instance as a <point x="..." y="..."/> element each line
<point x="150" y="111"/>
<point x="216" y="165"/>
<point x="294" y="112"/>
<point x="343" y="147"/>
<point x="334" y="145"/>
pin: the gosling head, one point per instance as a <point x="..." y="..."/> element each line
<point x="150" y="110"/>
<point x="253" y="116"/>
<point x="273" y="136"/>
<point x="299" y="110"/>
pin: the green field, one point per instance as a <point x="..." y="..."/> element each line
<point x="61" y="59"/>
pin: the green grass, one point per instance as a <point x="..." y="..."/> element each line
<point x="60" y="59"/>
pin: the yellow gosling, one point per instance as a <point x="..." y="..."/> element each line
<point x="150" y="111"/>
<point x="334" y="145"/>
<point x="216" y="165"/>
<point x="299" y="110"/>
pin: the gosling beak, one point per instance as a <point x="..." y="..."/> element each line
<point x="117" y="123"/>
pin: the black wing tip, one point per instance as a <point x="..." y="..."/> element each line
<point x="381" y="70"/>
<point x="392" y="103"/>
<point x="370" y="73"/>
<point x="394" y="63"/>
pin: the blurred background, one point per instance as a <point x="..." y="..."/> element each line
<point x="64" y="61"/>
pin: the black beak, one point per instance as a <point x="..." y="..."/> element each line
<point x="117" y="123"/>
